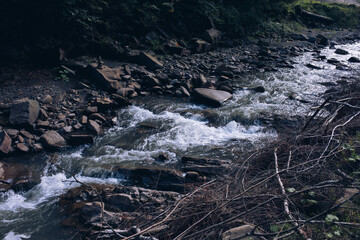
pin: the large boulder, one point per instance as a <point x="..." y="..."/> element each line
<point x="24" y="112"/>
<point x="106" y="78"/>
<point x="53" y="139"/>
<point x="211" y="97"/>
<point x="5" y="142"/>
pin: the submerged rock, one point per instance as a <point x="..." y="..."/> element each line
<point x="212" y="97"/>
<point x="341" y="51"/>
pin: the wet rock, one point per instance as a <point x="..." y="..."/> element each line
<point x="24" y="112"/>
<point x="322" y="40"/>
<point x="103" y="78"/>
<point x="259" y="89"/>
<point x="5" y="142"/>
<point x="211" y="97"/>
<point x="53" y="139"/>
<point x="80" y="139"/>
<point x="239" y="233"/>
<point x="149" y="61"/>
<point x="354" y="60"/>
<point x="162" y="157"/>
<point x="341" y="51"/>
<point x="94" y="127"/>
<point x="212" y="36"/>
<point x="22" y="147"/>
<point x="333" y="61"/>
<point x="312" y="66"/>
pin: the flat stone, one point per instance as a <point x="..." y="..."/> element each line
<point x="211" y="96"/>
<point x="53" y="139"/>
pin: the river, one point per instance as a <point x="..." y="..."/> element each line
<point x="170" y="127"/>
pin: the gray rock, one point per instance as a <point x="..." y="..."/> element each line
<point x="24" y="112"/>
<point x="5" y="142"/>
<point x="53" y="139"/>
<point x="211" y="96"/>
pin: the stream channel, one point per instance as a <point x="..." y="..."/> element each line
<point x="174" y="128"/>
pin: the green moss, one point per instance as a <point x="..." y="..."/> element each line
<point x="344" y="15"/>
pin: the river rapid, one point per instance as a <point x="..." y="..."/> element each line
<point x="164" y="126"/>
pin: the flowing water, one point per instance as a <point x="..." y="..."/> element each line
<point x="166" y="126"/>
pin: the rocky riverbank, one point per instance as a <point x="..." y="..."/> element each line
<point x="64" y="114"/>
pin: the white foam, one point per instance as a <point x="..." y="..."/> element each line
<point x="49" y="187"/>
<point x="15" y="236"/>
